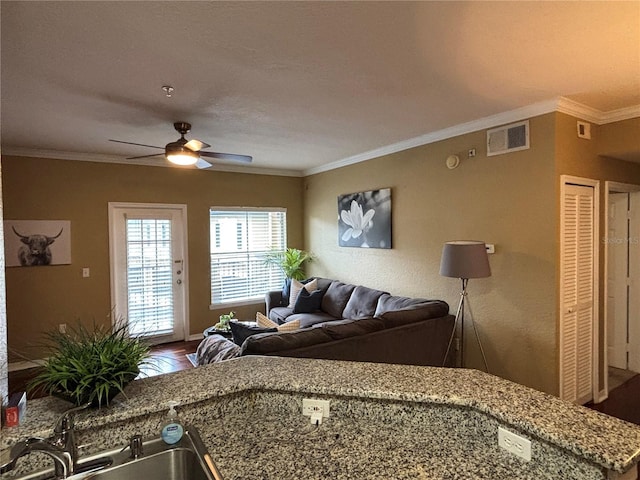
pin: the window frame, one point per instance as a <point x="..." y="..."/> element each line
<point x="245" y="240"/>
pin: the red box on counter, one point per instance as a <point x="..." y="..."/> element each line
<point x="15" y="410"/>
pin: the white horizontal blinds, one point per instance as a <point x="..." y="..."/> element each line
<point x="577" y="294"/>
<point x="240" y="241"/>
<point x="149" y="276"/>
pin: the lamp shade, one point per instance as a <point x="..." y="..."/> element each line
<point x="465" y="259"/>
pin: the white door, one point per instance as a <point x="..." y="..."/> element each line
<point x="634" y="281"/>
<point x="577" y="293"/>
<point x="148" y="261"/>
<point x="617" y="270"/>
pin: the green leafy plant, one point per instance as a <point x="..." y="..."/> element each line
<point x="223" y="324"/>
<point x="91" y="366"/>
<point x="291" y="261"/>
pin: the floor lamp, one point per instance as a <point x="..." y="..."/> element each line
<point x="464" y="260"/>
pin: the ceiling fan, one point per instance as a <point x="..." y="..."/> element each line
<point x="187" y="152"/>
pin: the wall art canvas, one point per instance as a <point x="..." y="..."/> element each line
<point x="364" y="219"/>
<point x="30" y="243"/>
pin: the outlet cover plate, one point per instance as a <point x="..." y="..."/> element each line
<point x="515" y="444"/>
<point x="312" y="405"/>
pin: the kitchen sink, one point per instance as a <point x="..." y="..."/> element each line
<point x="155" y="460"/>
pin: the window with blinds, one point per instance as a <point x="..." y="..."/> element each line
<point x="240" y="240"/>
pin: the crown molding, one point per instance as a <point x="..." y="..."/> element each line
<point x="560" y="104"/>
<point x="147" y="162"/>
<point x="579" y="110"/>
<point x="584" y="112"/>
<point x="621" y="114"/>
<point x="491" y="121"/>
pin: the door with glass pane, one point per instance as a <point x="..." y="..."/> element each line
<point x="148" y="269"/>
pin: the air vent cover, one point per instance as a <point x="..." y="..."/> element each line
<point x="509" y="138"/>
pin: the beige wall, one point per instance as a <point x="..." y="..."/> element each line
<point x="40" y="298"/>
<point x="509" y="200"/>
<point x="619" y="139"/>
<point x="579" y="157"/>
<point x="4" y="388"/>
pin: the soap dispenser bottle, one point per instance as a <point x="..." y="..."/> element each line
<point x="172" y="429"/>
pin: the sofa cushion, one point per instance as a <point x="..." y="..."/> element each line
<point x="309" y="319"/>
<point x="242" y="330"/>
<point x="308" y="302"/>
<point x="388" y="302"/>
<point x="336" y="298"/>
<point x="280" y="314"/>
<point x="280" y="341"/>
<point x="414" y="313"/>
<point x="362" y="302"/>
<point x="339" y="329"/>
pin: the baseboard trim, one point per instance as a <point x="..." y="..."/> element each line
<point x="195" y="336"/>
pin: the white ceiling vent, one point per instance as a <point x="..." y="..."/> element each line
<point x="509" y="138"/>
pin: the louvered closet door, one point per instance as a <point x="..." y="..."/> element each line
<point x="577" y="294"/>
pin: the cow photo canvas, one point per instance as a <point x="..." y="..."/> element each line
<point x="364" y="219"/>
<point x="32" y="243"/>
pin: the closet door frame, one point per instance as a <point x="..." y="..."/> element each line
<point x="609" y="188"/>
<point x="595" y="341"/>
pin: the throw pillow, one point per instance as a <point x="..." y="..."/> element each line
<point x="296" y="286"/>
<point x="241" y="331"/>
<point x="308" y="302"/>
<point x="286" y="291"/>
<point x="264" y="322"/>
<point x="289" y="326"/>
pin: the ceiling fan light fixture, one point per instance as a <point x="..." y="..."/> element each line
<point x="181" y="155"/>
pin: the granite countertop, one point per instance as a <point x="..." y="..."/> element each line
<point x="606" y="441"/>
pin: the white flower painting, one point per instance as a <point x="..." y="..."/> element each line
<point x="365" y="219"/>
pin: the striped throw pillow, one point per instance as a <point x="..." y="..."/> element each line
<point x="263" y="321"/>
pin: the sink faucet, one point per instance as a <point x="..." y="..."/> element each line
<point x="61" y="447"/>
<point x="64" y="435"/>
<point x="62" y="460"/>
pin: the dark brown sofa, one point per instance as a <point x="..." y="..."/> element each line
<point x="354" y="323"/>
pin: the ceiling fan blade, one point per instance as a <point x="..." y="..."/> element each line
<point x="202" y="163"/>
<point x="228" y="156"/>
<point x="196" y="145"/>
<point x="145" y="156"/>
<point x="139" y="144"/>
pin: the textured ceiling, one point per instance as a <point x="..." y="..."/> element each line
<point x="298" y="85"/>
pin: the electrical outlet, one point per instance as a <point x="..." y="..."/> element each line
<point x="311" y="406"/>
<point x="515" y="444"/>
<point x="62" y="328"/>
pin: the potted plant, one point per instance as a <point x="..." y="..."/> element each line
<point x="223" y="324"/>
<point x="91" y="366"/>
<point x="291" y="261"/>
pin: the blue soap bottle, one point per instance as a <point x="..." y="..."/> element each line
<point x="172" y="430"/>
